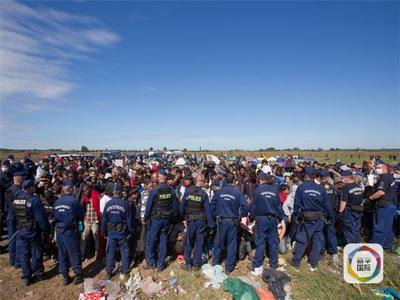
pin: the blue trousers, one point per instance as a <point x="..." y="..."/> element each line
<point x="329" y="239"/>
<point x="266" y="232"/>
<point x="69" y="251"/>
<point x="226" y="236"/>
<point x="309" y="232"/>
<point x="156" y="243"/>
<point x="13" y="257"/>
<point x="351" y="226"/>
<point x="115" y="241"/>
<point x="194" y="241"/>
<point x="30" y="252"/>
<point x="382" y="232"/>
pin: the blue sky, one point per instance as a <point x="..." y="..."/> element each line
<point x="216" y="75"/>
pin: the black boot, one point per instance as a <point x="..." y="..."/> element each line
<point x="27" y="281"/>
<point x="78" y="279"/>
<point x="39" y="277"/>
<point x="66" y="280"/>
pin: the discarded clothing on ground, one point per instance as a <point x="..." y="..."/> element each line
<point x="149" y="287"/>
<point x="276" y="281"/>
<point x="387" y="293"/>
<point x="240" y="290"/>
<point x="250" y="281"/>
<point x="215" y="274"/>
<point x="265" y="294"/>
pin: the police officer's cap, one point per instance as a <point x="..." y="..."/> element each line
<point x="380" y="162"/>
<point x="221" y="170"/>
<point x="28" y="184"/>
<point x="309" y="170"/>
<point x="397" y="167"/>
<point x="68" y="182"/>
<point x="117" y="187"/>
<point x="162" y="172"/>
<point x="324" y="173"/>
<point x="262" y="176"/>
<point x="346" y="173"/>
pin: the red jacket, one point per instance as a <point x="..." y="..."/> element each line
<point x="96" y="202"/>
<point x="283" y="197"/>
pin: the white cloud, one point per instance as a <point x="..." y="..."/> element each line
<point x="36" y="46"/>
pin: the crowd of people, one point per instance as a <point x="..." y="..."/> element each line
<point x="157" y="208"/>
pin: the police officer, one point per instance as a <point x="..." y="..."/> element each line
<point x="351" y="208"/>
<point x="311" y="204"/>
<point x="31" y="220"/>
<point x="384" y="197"/>
<point x="67" y="215"/>
<point x="329" y="227"/>
<point x="117" y="226"/>
<point x="5" y="183"/>
<point x="227" y="205"/>
<point x="161" y="209"/>
<point x="196" y="210"/>
<point x="14" y="191"/>
<point x="396" y="176"/>
<point x="267" y="210"/>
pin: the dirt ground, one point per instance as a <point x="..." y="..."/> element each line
<point x="326" y="283"/>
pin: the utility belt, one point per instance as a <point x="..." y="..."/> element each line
<point x="310" y="216"/>
<point x="234" y="220"/>
<point x="29" y="225"/>
<point x="275" y="216"/>
<point x="64" y="228"/>
<point x="161" y="214"/>
<point x="196" y="217"/>
<point x="356" y="208"/>
<point x="120" y="227"/>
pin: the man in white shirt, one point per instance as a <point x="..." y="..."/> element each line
<point x="108" y="191"/>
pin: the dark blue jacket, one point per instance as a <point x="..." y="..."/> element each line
<point x="204" y="201"/>
<point x="14" y="191"/>
<point x="117" y="211"/>
<point x="229" y="202"/>
<point x="311" y="196"/>
<point x="266" y="202"/>
<point x="152" y="197"/>
<point x="36" y="211"/>
<point x="67" y="212"/>
<point x="387" y="184"/>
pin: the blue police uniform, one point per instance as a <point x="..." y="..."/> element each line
<point x="397" y="204"/>
<point x="330" y="237"/>
<point x="117" y="225"/>
<point x="161" y="208"/>
<point x="31" y="220"/>
<point x="382" y="232"/>
<point x="15" y="191"/>
<point x="227" y="205"/>
<point x="310" y="206"/>
<point x="68" y="213"/>
<point x="195" y="208"/>
<point x="352" y="194"/>
<point x="266" y="209"/>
